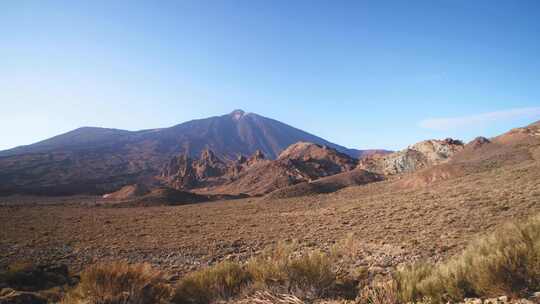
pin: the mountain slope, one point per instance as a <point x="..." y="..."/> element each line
<point x="255" y="176"/>
<point x="227" y="135"/>
<point x="420" y="155"/>
<point x="514" y="148"/>
<point x="99" y="160"/>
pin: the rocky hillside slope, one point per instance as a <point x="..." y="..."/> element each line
<point x="327" y="184"/>
<point x="497" y="179"/>
<point x="514" y="147"/>
<point x="99" y="160"/>
<point x="420" y="155"/>
<point x="256" y="175"/>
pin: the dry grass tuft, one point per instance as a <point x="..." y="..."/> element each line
<point x="384" y="292"/>
<point x="221" y="281"/>
<point x="119" y="283"/>
<point x="266" y="297"/>
<point x="504" y="263"/>
<point x="281" y="269"/>
<point x="309" y="274"/>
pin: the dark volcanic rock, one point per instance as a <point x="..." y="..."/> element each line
<point x="478" y="142"/>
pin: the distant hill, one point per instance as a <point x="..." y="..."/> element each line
<point x="98" y="160"/>
<point x="298" y="163"/>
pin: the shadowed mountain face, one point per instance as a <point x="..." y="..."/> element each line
<point x="98" y="160"/>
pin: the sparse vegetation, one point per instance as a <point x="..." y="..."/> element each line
<point x="223" y="280"/>
<point x="19" y="274"/>
<point x="389" y="225"/>
<point x="309" y="274"/>
<point x="119" y="283"/>
<point x="504" y="263"/>
<point x="27" y="276"/>
<point x="380" y="292"/>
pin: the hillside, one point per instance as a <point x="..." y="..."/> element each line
<point x="415" y="157"/>
<point x="255" y="175"/>
<point x="369" y="228"/>
<point x="393" y="221"/>
<point x="99" y="160"/>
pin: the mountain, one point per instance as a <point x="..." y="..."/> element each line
<point x="227" y="135"/>
<point x="511" y="151"/>
<point x="300" y="162"/>
<point x="430" y="162"/>
<point x="99" y="160"/>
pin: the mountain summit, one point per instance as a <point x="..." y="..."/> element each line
<point x="237" y="114"/>
<point x="95" y="160"/>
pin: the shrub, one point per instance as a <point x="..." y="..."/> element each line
<point x="311" y="273"/>
<point x="223" y="280"/>
<point x="266" y="297"/>
<point x="277" y="269"/>
<point x="382" y="292"/>
<point x="505" y="262"/>
<point x="270" y="267"/>
<point x="119" y="283"/>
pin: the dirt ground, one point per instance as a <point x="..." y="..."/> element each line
<point x="392" y="225"/>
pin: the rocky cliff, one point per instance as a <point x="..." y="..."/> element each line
<point x="420" y="155"/>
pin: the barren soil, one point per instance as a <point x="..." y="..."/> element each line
<point x="393" y="225"/>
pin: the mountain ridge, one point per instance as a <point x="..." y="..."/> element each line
<point x="91" y="135"/>
<point x="98" y="160"/>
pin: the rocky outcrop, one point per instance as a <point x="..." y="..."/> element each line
<point x="183" y="173"/>
<point x="420" y="155"/>
<point x="318" y="160"/>
<point x="209" y="165"/>
<point x="255" y="175"/>
<point x="478" y="142"/>
<point x="179" y="173"/>
<point x="257" y="157"/>
<point x="97" y="160"/>
<point x="300" y="162"/>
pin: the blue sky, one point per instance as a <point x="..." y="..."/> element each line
<point x="364" y="74"/>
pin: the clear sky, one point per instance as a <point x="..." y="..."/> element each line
<point x="364" y="74"/>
